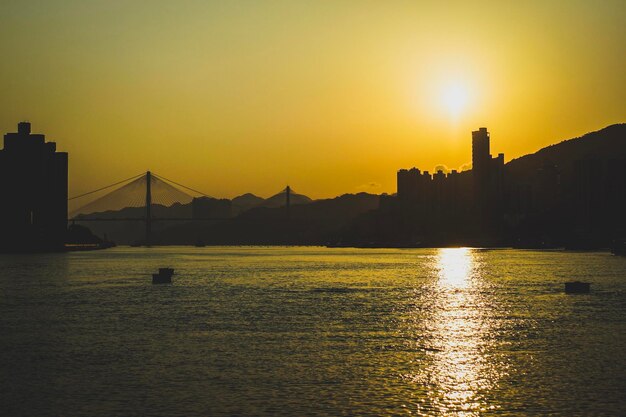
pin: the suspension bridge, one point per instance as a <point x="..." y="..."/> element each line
<point x="139" y="196"/>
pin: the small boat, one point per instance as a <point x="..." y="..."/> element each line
<point x="577" y="287"/>
<point x="163" y="277"/>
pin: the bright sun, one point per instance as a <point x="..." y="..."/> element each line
<point x="454" y="98"/>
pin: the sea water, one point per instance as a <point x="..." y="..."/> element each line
<point x="312" y="331"/>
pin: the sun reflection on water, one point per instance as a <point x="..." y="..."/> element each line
<point x="459" y="371"/>
<point x="455" y="266"/>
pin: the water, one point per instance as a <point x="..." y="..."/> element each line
<point x="312" y="331"/>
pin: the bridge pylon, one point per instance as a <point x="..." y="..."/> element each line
<point x="148" y="208"/>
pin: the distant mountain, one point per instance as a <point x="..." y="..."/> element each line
<point x="280" y="199"/>
<point x="608" y="144"/>
<point x="315" y="223"/>
<point x="245" y="202"/>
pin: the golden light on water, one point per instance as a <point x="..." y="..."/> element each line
<point x="460" y="371"/>
<point x="455" y="266"/>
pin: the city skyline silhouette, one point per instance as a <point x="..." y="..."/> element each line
<point x="570" y="195"/>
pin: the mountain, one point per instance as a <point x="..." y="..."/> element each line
<point x="245" y="202"/>
<point x="570" y="194"/>
<point x="280" y="199"/>
<point x="315" y="223"/>
<point x="608" y="144"/>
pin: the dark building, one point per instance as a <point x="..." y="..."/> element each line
<point x="481" y="157"/>
<point x="456" y="202"/>
<point x="487" y="172"/>
<point x="414" y="186"/>
<point x="33" y="180"/>
<point x="443" y="189"/>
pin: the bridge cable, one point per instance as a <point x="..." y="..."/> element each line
<point x="104" y="188"/>
<point x="181" y="185"/>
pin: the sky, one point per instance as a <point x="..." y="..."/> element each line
<point x="330" y="97"/>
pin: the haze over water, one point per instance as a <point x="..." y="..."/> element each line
<point x="303" y="331"/>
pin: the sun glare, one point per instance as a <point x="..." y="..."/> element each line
<point x="455" y="98"/>
<point x="455" y="266"/>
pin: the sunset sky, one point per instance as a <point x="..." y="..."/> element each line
<point x="327" y="96"/>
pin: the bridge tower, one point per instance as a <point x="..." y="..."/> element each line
<point x="148" y="207"/>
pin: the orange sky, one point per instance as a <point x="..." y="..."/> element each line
<point x="329" y="97"/>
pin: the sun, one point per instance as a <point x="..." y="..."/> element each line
<point x="454" y="98"/>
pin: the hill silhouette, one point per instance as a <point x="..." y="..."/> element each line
<point x="315" y="223"/>
<point x="280" y="199"/>
<point x="575" y="191"/>
<point x="246" y="202"/>
<point x="605" y="144"/>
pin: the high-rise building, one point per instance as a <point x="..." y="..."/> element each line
<point x="33" y="180"/>
<point x="481" y="157"/>
<point x="487" y="172"/>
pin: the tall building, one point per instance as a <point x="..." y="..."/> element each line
<point x="481" y="156"/>
<point x="487" y="172"/>
<point x="33" y="180"/>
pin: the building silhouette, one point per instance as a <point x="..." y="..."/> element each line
<point x="481" y="156"/>
<point x="456" y="203"/>
<point x="33" y="179"/>
<point x="487" y="180"/>
<point x="486" y="171"/>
